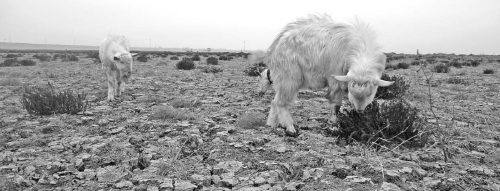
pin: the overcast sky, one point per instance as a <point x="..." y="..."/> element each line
<point x="433" y="26"/>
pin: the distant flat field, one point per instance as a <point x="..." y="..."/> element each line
<point x="28" y="46"/>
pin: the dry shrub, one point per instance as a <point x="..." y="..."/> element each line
<point x="441" y="68"/>
<point x="48" y="101"/>
<point x="392" y="122"/>
<point x="399" y="88"/>
<point x="183" y="103"/>
<point x="185" y="64"/>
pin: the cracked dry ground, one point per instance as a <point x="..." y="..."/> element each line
<point x="118" y="146"/>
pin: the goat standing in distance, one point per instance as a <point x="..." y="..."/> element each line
<point x="117" y="61"/>
<point x="315" y="52"/>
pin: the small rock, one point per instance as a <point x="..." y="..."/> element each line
<point x="167" y="184"/>
<point x="357" y="179"/>
<point x="152" y="188"/>
<point x="116" y="130"/>
<point x="392" y="175"/>
<point x="124" y="184"/>
<point x="406" y="170"/>
<point x="22" y="182"/>
<point x="228" y="180"/>
<point x="29" y="169"/>
<point x="259" y="181"/>
<point x="216" y="180"/>
<point x="389" y="187"/>
<point x="281" y="149"/>
<point x="420" y="172"/>
<point x="293" y="186"/>
<point x="431" y="182"/>
<point x="141" y="187"/>
<point x="182" y="185"/>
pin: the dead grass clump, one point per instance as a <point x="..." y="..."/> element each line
<point x="47" y="101"/>
<point x="396" y="90"/>
<point x="169" y="113"/>
<point x="457" y="80"/>
<point x="183" y="103"/>
<point x="389" y="123"/>
<point x="212" y="69"/>
<point x="488" y="71"/>
<point x="11" y="82"/>
<point x="251" y="120"/>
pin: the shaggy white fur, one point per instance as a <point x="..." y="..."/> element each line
<point x="315" y="52"/>
<point x="117" y="61"/>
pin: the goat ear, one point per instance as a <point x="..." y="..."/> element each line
<point x="134" y="54"/>
<point x="383" y="83"/>
<point x="341" y="78"/>
<point x="117" y="57"/>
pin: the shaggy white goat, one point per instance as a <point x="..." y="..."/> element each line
<point x="117" y="62"/>
<point x="315" y="52"/>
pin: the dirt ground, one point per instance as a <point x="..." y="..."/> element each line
<point x="189" y="130"/>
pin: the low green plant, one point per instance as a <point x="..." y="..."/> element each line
<point x="390" y="123"/>
<point x="488" y="71"/>
<point x="142" y="58"/>
<point x="441" y="68"/>
<point x="9" y="62"/>
<point x="174" y="58"/>
<point x="212" y="69"/>
<point x="212" y="61"/>
<point x="185" y="64"/>
<point x="27" y="62"/>
<point x="399" y="88"/>
<point x="46" y="100"/>
<point x="196" y="57"/>
<point x="11" y="82"/>
<point x="42" y="57"/>
<point x="457" y="80"/>
<point x="403" y="65"/>
<point x="455" y="64"/>
<point x="223" y="58"/>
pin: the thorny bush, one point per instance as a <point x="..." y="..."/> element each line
<point x="399" y="88"/>
<point x="212" y="60"/>
<point x="185" y="64"/>
<point x="392" y="122"/>
<point x="255" y="69"/>
<point x="47" y="101"/>
<point x="441" y="68"/>
<point x="488" y="71"/>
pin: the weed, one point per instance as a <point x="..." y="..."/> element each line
<point x="441" y="68"/>
<point x="475" y="63"/>
<point x="254" y="70"/>
<point x="223" y="58"/>
<point x="196" y="57"/>
<point x="395" y="121"/>
<point x="212" y="69"/>
<point x="142" y="58"/>
<point x="396" y="90"/>
<point x="455" y="64"/>
<point x="183" y="103"/>
<point x="42" y="57"/>
<point x="457" y="80"/>
<point x="415" y="63"/>
<point x="185" y="64"/>
<point x="169" y="113"/>
<point x="251" y="120"/>
<point x="27" y="62"/>
<point x="47" y="101"/>
<point x="403" y="65"/>
<point x="212" y="61"/>
<point x="11" y="82"/>
<point x="174" y="58"/>
<point x="9" y="62"/>
<point x="488" y="71"/>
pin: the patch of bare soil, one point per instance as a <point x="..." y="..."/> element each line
<point x="189" y="130"/>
